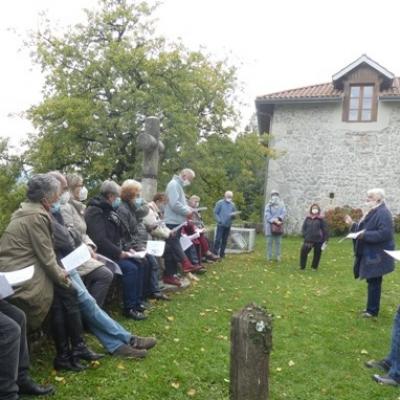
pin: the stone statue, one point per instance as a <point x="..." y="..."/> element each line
<point x="149" y="142"/>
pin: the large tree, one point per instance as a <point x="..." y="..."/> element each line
<point x="105" y="76"/>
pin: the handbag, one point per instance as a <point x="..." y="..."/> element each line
<point x="277" y="229"/>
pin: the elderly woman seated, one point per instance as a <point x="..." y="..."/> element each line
<point x="96" y="276"/>
<point x="104" y="227"/>
<point x="132" y="211"/>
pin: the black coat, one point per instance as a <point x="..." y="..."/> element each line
<point x="371" y="261"/>
<point x="104" y="227"/>
<point x="315" y="230"/>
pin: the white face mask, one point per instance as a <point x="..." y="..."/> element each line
<point x="314" y="211"/>
<point x="185" y="182"/>
<point x="371" y="203"/>
<point x="64" y="198"/>
<point x="228" y="199"/>
<point x="83" y="193"/>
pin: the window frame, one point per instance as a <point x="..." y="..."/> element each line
<point x="347" y="102"/>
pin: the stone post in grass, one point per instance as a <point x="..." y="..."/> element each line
<point x="151" y="145"/>
<point x="251" y="344"/>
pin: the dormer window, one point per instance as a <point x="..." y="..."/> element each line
<point x="362" y="103"/>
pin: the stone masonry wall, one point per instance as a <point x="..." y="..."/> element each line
<point x="320" y="154"/>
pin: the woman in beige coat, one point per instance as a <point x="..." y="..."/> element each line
<point x="95" y="275"/>
<point x="27" y="241"/>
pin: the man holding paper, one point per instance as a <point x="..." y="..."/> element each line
<point x="224" y="213"/>
<point x="375" y="234"/>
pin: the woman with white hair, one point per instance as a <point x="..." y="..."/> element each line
<point x="377" y="235"/>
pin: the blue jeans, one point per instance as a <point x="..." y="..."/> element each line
<point x="374" y="295"/>
<point x="132" y="283"/>
<point x="277" y="239"/>
<point x="393" y="359"/>
<point x="154" y="274"/>
<point x="109" y="332"/>
<point x="221" y="238"/>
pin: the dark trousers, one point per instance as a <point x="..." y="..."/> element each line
<point x="221" y="238"/>
<point x="305" y="249"/>
<point x="132" y="283"/>
<point x="374" y="295"/>
<point x="14" y="354"/>
<point x="173" y="252"/>
<point x="98" y="282"/>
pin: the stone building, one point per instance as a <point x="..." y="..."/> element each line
<point x="334" y="140"/>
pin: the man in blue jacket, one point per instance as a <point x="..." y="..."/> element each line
<point x="224" y="212"/>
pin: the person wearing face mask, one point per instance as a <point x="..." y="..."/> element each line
<point x="135" y="235"/>
<point x="96" y="276"/>
<point x="177" y="212"/>
<point x="26" y="241"/>
<point x="371" y="262"/>
<point x="104" y="227"/>
<point x="274" y="213"/>
<point x="224" y="213"/>
<point x="315" y="233"/>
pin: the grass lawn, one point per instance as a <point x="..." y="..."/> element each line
<point x="317" y="329"/>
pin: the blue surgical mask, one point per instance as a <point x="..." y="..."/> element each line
<point x="139" y="201"/>
<point x="115" y="204"/>
<point x="55" y="207"/>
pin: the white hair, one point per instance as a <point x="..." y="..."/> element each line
<point x="378" y="193"/>
<point x="187" y="171"/>
<point x="228" y="193"/>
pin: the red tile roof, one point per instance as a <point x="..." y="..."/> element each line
<point x="321" y="92"/>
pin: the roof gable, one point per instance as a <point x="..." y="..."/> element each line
<point x="363" y="60"/>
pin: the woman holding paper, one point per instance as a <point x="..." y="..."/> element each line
<point x="371" y="262"/>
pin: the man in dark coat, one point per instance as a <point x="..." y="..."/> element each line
<point x="371" y="262"/>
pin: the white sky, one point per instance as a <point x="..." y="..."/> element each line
<point x="275" y="45"/>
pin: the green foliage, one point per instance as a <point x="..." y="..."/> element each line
<point x="13" y="190"/>
<point x="317" y="351"/>
<point x="105" y="76"/>
<point x="335" y="219"/>
<point x="396" y="221"/>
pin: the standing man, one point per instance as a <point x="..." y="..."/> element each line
<point x="177" y="211"/>
<point x="224" y="212"/>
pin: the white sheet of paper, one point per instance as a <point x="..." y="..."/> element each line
<point x="393" y="253"/>
<point x="235" y="213"/>
<point x="137" y="254"/>
<point x="199" y="209"/>
<point x="354" y="235"/>
<point x="185" y="242"/>
<point x="194" y="236"/>
<point x="5" y="288"/>
<point x="114" y="266"/>
<point x="155" y="247"/>
<point x="15" y="278"/>
<point x="76" y="258"/>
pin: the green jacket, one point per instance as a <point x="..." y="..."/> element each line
<point x="27" y="241"/>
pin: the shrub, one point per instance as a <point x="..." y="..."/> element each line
<point x="396" y="221"/>
<point x="335" y="219"/>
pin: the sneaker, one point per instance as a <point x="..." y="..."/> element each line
<point x="130" y="352"/>
<point x="135" y="314"/>
<point x="366" y="314"/>
<point x="383" y="365"/>
<point x="202" y="270"/>
<point x="385" y="380"/>
<point x="140" y="342"/>
<point x="172" y="280"/>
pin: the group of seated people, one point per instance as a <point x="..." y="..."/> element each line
<point x="115" y="225"/>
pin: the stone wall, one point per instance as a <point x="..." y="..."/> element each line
<point x="320" y="154"/>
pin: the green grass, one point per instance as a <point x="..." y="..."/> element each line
<point x="317" y="326"/>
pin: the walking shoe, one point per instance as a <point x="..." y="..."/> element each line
<point x="160" y="296"/>
<point x="130" y="352"/>
<point x="172" y="280"/>
<point x="385" y="380"/>
<point x="140" y="342"/>
<point x="212" y="257"/>
<point x="83" y="352"/>
<point x="30" y="387"/>
<point x="135" y="314"/>
<point x="191" y="268"/>
<point x="366" y="314"/>
<point x="200" y="271"/>
<point x="383" y="365"/>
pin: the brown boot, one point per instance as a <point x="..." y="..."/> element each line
<point x="130" y="352"/>
<point x="140" y="342"/>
